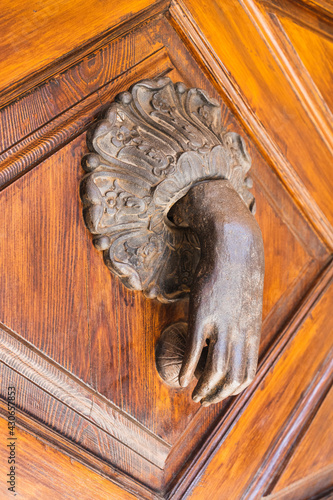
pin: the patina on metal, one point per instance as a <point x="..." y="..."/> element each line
<point x="225" y="306"/>
<point x="166" y="198"/>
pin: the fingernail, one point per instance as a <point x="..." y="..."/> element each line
<point x="205" y="403"/>
<point x="196" y="399"/>
<point x="183" y="381"/>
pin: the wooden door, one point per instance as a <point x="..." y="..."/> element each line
<point x="92" y="417"/>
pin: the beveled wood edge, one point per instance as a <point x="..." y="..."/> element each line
<point x="317" y="485"/>
<point x="304" y="14"/>
<point x="47" y="376"/>
<point x="15" y="90"/>
<point x="184" y="482"/>
<point x="277" y="458"/>
<point x="319" y="6"/>
<point x="60" y="443"/>
<point x="56" y="133"/>
<point x="184" y="23"/>
<point x="304" y="87"/>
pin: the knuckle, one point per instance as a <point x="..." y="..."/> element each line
<point x="210" y="387"/>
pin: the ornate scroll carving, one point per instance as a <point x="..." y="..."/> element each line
<point x="155" y="142"/>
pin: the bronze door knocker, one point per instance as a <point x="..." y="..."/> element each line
<point x="166" y="198"/>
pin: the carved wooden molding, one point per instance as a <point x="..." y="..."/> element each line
<point x="154" y="144"/>
<point x="89" y="417"/>
<point x="49" y="136"/>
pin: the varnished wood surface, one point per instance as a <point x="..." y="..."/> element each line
<point x="264" y="97"/>
<point x="317" y="15"/>
<point x="59" y="109"/>
<point x="112" y="318"/>
<point x="324" y="7"/>
<point x="44" y="472"/>
<point x="320" y="55"/>
<point x="35" y="36"/>
<point x="309" y="458"/>
<point x="86" y="328"/>
<point x="318" y="484"/>
<point x="62" y="92"/>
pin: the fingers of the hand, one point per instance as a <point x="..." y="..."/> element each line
<point x="195" y="343"/>
<point x="234" y="378"/>
<point x="215" y="370"/>
<point x="251" y="365"/>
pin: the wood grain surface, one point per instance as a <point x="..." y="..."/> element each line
<point x="43" y="38"/>
<point x="78" y="344"/>
<point x="321" y="54"/>
<point x="114" y="319"/>
<point x="309" y="458"/>
<point x="52" y="474"/>
<point x="258" y="88"/>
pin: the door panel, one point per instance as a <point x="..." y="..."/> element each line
<point x="34" y="47"/>
<point x="301" y="38"/>
<point x="53" y="474"/>
<point x="79" y="346"/>
<point x="265" y="88"/>
<point x="309" y="459"/>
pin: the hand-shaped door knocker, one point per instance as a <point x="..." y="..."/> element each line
<point x="166" y="198"/>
